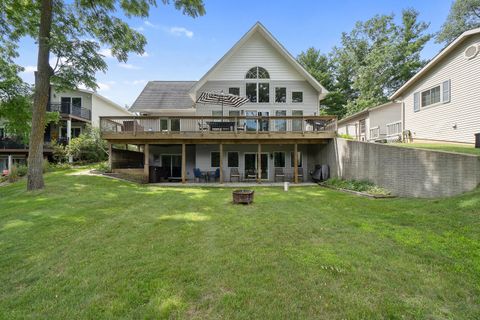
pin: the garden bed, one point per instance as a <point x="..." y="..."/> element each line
<point x="360" y="188"/>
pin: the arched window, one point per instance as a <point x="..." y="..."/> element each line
<point x="257" y="91"/>
<point x="257" y="73"/>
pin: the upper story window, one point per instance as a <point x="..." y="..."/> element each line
<point x="280" y="94"/>
<point x="257" y="73"/>
<point x="297" y="96"/>
<point x="257" y="91"/>
<point x="234" y="91"/>
<point x="69" y="101"/>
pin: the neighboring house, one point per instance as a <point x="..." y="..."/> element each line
<point x="77" y="109"/>
<point x="442" y="101"/>
<point x="380" y="123"/>
<point x="180" y="139"/>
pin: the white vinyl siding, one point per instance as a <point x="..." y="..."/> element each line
<point x="457" y="120"/>
<point x="256" y="51"/>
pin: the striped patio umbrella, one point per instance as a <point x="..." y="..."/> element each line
<point x="221" y="98"/>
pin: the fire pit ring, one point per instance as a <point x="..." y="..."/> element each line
<point x="243" y="196"/>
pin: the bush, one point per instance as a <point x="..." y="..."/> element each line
<point x="60" y="166"/>
<point x="46" y="166"/>
<point x="103" y="167"/>
<point x="15" y="173"/>
<point x="88" y="147"/>
<point x="345" y="136"/>
<point x="59" y="152"/>
<point x="22" y="170"/>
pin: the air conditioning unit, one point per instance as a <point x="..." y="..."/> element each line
<point x="472" y="51"/>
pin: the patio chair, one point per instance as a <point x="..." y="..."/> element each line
<point x="203" y="126"/>
<point x="279" y="173"/>
<point x="217" y="174"/>
<point x="300" y="174"/>
<point x="251" y="174"/>
<point x="199" y="175"/>
<point x="234" y="174"/>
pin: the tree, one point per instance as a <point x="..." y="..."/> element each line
<point x="378" y="56"/>
<point x="74" y="33"/>
<point x="464" y="15"/>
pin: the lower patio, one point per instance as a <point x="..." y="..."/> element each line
<point x="232" y="164"/>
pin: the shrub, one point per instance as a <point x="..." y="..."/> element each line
<point x="60" y="166"/>
<point x="46" y="166"/>
<point x="345" y="136"/>
<point x="59" y="152"/>
<point x="22" y="170"/>
<point x="13" y="174"/>
<point x="88" y="147"/>
<point x="103" y="167"/>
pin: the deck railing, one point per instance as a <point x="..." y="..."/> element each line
<point x="213" y="124"/>
<point x="69" y="109"/>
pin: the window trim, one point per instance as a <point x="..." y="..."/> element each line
<point x="238" y="159"/>
<point x="430" y="89"/>
<point x="219" y="159"/>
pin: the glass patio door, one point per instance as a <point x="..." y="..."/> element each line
<point x="263" y="125"/>
<point x="251" y="164"/>
<point x="172" y="163"/>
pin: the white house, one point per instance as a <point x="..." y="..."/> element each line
<point x="442" y="101"/>
<point x="380" y="123"/>
<point x="77" y="109"/>
<point x="268" y="137"/>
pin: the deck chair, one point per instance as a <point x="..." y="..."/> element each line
<point x="234" y="174"/>
<point x="300" y="174"/>
<point x="279" y="173"/>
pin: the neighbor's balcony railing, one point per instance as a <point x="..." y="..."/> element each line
<point x="214" y="124"/>
<point x="69" y="109"/>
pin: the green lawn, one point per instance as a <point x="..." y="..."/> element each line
<point x="443" y="147"/>
<point x="92" y="247"/>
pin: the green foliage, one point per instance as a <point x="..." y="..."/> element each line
<point x="345" y="136"/>
<point x="46" y="166"/>
<point x="464" y="15"/>
<point x="103" y="167"/>
<point x="60" y="166"/>
<point x="360" y="186"/>
<point x="16" y="172"/>
<point x="88" y="147"/>
<point x="373" y="61"/>
<point x="59" y="152"/>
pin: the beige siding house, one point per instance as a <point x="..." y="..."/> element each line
<point x="442" y="101"/>
<point x="380" y="123"/>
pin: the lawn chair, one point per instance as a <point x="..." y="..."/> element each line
<point x="251" y="174"/>
<point x="234" y="174"/>
<point x="279" y="173"/>
<point x="203" y="126"/>
<point x="217" y="174"/>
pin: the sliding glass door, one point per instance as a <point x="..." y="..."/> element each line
<point x="172" y="163"/>
<point x="251" y="164"/>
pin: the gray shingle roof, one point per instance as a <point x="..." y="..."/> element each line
<point x="164" y="95"/>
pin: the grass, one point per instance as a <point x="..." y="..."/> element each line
<point x="92" y="247"/>
<point x="443" y="147"/>
<point x="360" y="186"/>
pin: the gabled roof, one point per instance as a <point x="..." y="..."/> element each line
<point x="366" y="111"/>
<point x="259" y="28"/>
<point x="442" y="54"/>
<point x="105" y="99"/>
<point x="164" y="95"/>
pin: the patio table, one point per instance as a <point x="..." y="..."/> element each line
<point x="222" y="125"/>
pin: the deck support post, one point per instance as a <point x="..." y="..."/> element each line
<point x="10" y="162"/>
<point x="110" y="156"/>
<point x="295" y="162"/>
<point x="184" y="163"/>
<point x="69" y="137"/>
<point x="146" y="162"/>
<point x="221" y="163"/>
<point x="259" y="163"/>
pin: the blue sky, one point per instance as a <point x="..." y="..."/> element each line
<point x="183" y="48"/>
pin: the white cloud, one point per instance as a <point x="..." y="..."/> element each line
<point x="105" y="86"/>
<point x="135" y="82"/>
<point x="151" y="25"/>
<point x="128" y="66"/>
<point x="30" y="69"/>
<point x="181" y="31"/>
<point x="106" y="52"/>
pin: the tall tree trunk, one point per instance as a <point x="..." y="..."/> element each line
<point x="42" y="84"/>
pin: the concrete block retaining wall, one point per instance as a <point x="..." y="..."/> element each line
<point x="403" y="171"/>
